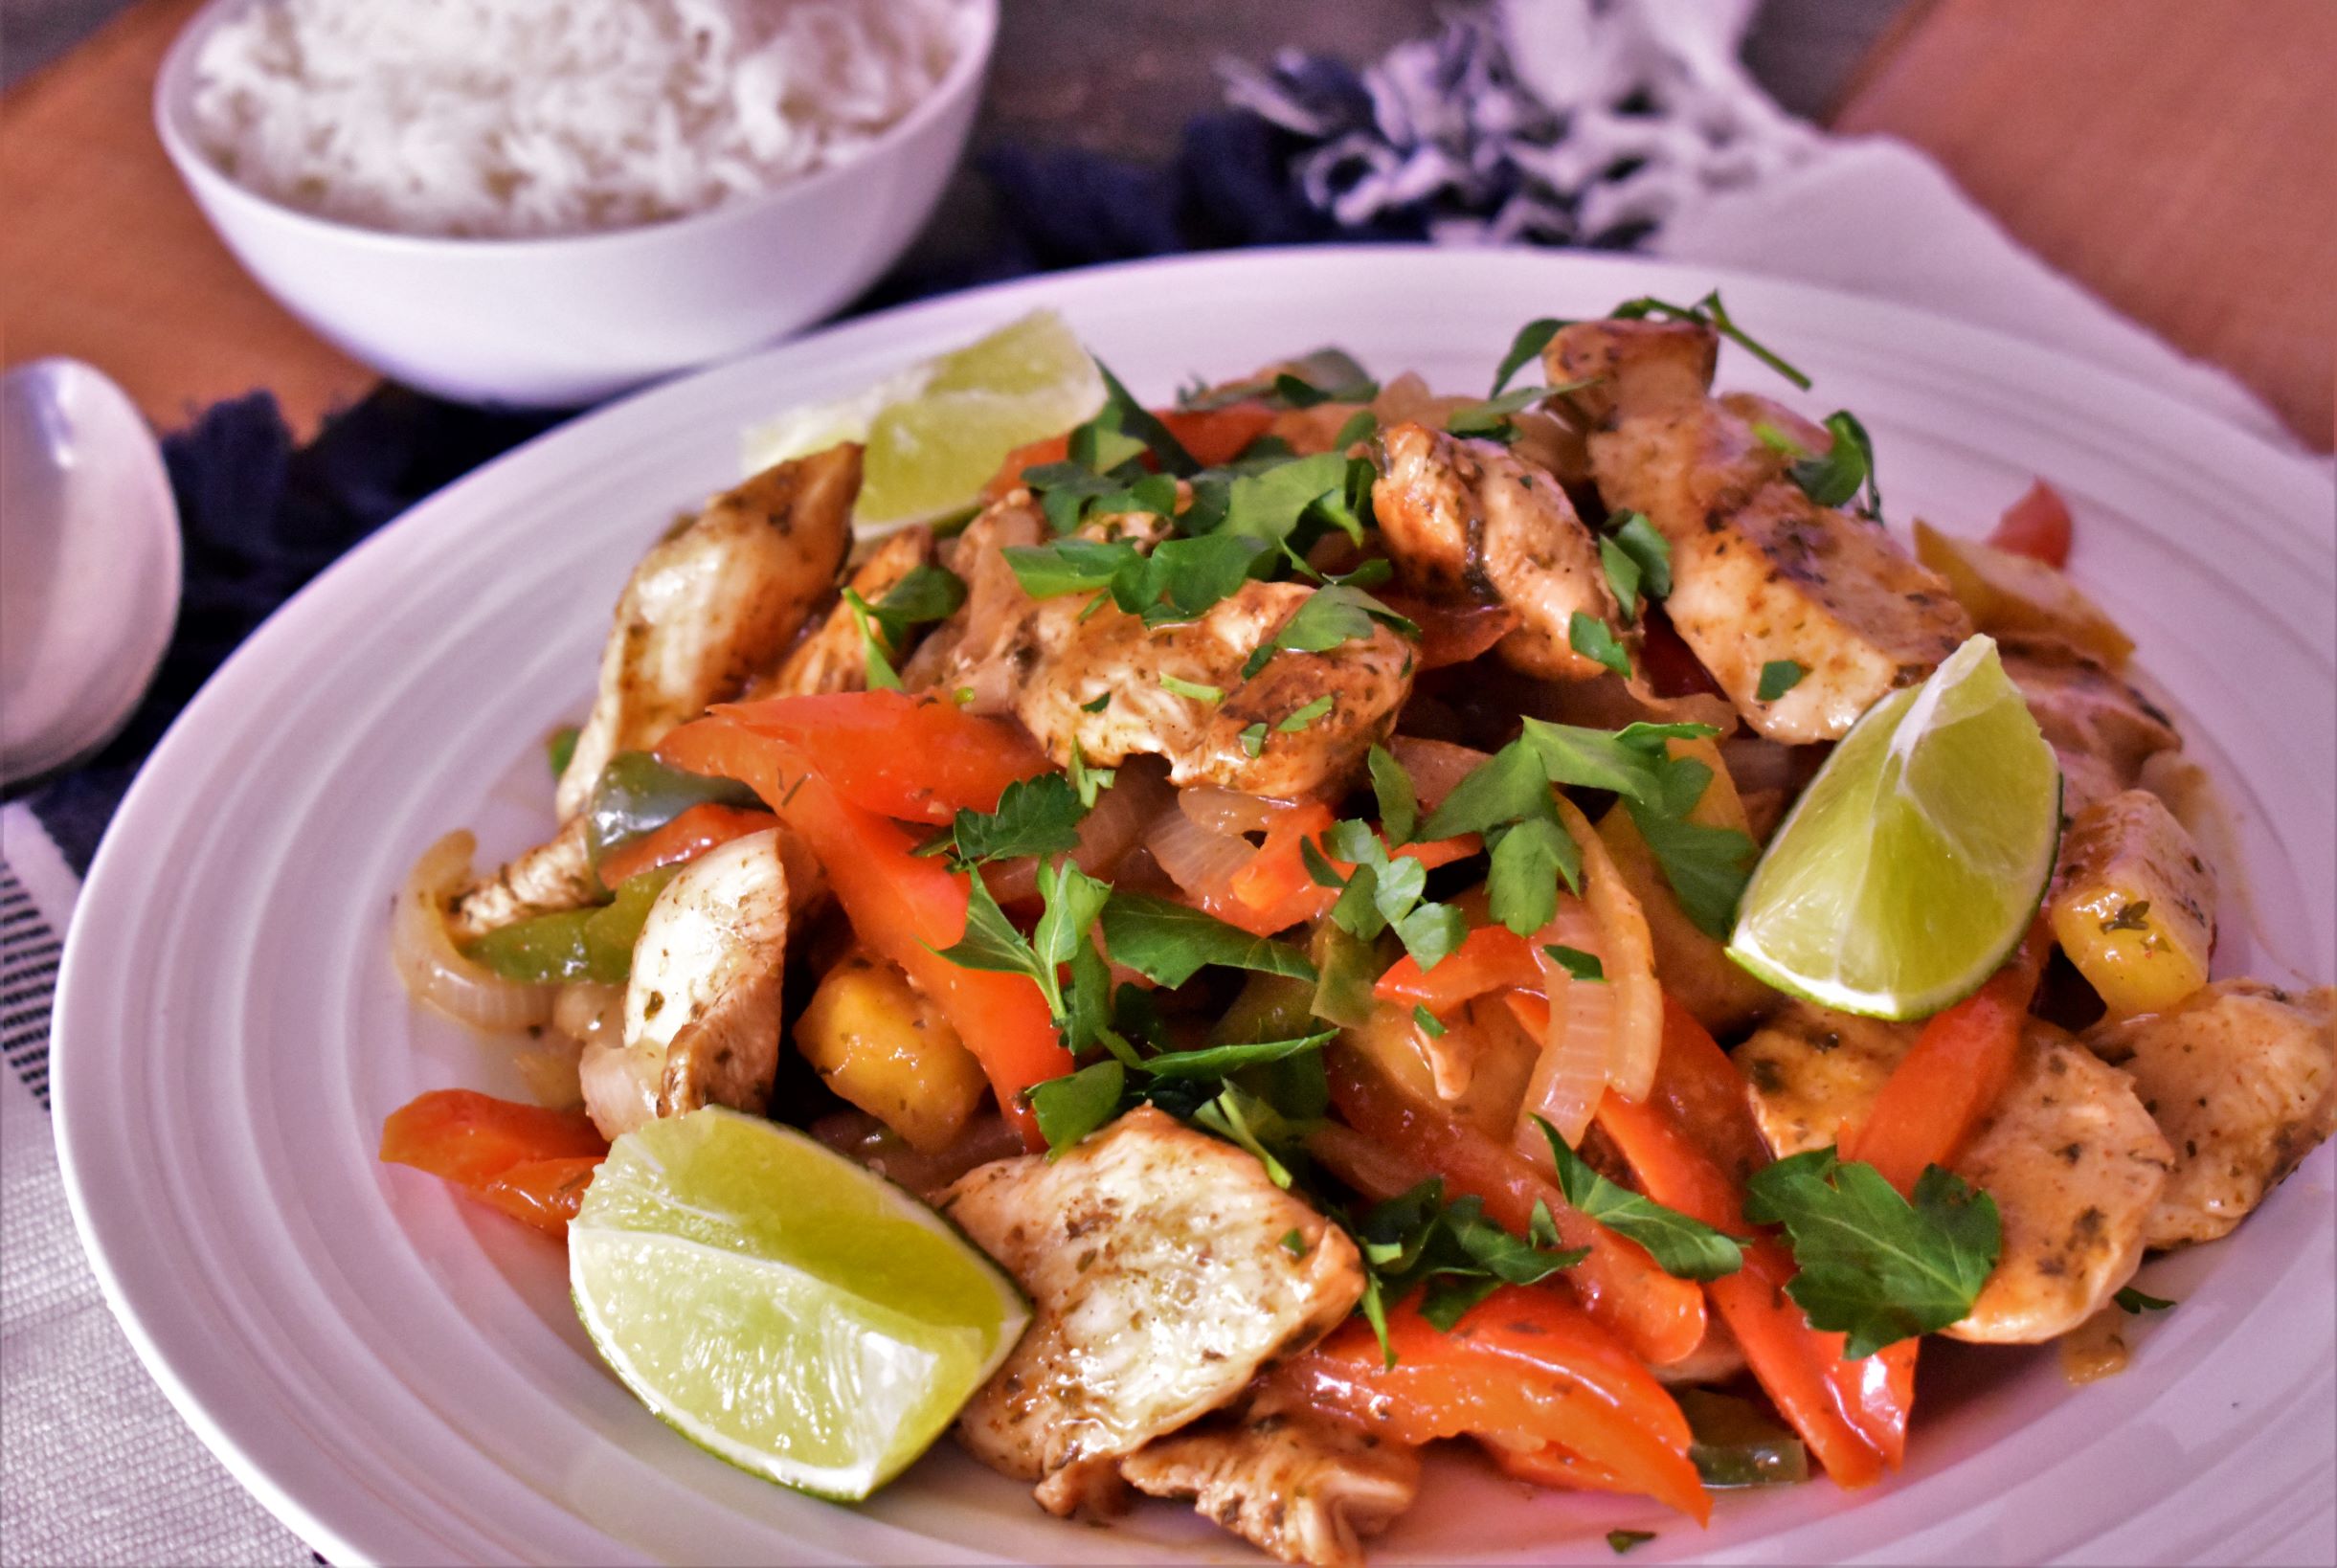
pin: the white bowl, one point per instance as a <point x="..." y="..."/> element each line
<point x="562" y="322"/>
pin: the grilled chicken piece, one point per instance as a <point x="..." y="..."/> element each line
<point x="1760" y="572"/>
<point x="969" y="651"/>
<point x="1299" y="1487"/>
<point x="702" y="1008"/>
<point x="830" y="656"/>
<point x="1467" y="519"/>
<point x="1113" y="658"/>
<point x="2075" y="1166"/>
<point x="2101" y="728"/>
<point x="1814" y="1073"/>
<point x="714" y="603"/>
<point x="2243" y="1079"/>
<point x="1154" y="1259"/>
<point x="554" y="876"/>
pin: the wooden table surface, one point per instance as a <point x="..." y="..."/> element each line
<point x="2168" y="154"/>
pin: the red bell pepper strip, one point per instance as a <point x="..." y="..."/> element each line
<point x="1525" y="1369"/>
<point x="1945" y="1085"/>
<point x="1688" y="1144"/>
<point x="490" y="1147"/>
<point x="911" y="756"/>
<point x="688" y="835"/>
<point x="1659" y="1317"/>
<point x="2037" y="524"/>
<point x="1490" y="958"/>
<point x="903" y="905"/>
<point x="543" y="1193"/>
<point x="1273" y="891"/>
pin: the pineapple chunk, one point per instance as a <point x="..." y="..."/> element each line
<point x="2133" y="905"/>
<point x="2008" y="593"/>
<point x="1696" y="968"/>
<point x="884" y="1047"/>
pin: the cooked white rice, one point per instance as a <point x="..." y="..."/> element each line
<point x="553" y="117"/>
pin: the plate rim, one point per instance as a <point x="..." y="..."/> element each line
<point x="113" y="875"/>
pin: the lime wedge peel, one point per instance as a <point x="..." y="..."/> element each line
<point x="936" y="431"/>
<point x="780" y="1306"/>
<point x="1915" y="861"/>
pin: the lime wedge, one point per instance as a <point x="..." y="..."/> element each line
<point x="780" y="1307"/>
<point x="937" y="430"/>
<point x="1913" y="865"/>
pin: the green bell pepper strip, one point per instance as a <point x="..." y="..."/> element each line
<point x="1735" y="1443"/>
<point x="594" y="944"/>
<point x="637" y="794"/>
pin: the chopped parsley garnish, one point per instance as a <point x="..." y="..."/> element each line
<point x="1872" y="1265"/>
<point x="1620" y="1542"/>
<point x="1301" y="717"/>
<point x="1087" y="782"/>
<point x="1102" y="702"/>
<point x="1495" y="418"/>
<point x="559" y="747"/>
<point x="1714" y="314"/>
<point x="928" y="593"/>
<point x="1682" y="1246"/>
<point x="1428" y="1022"/>
<point x="1384" y="892"/>
<point x="2131" y="1300"/>
<point x="1524" y="348"/>
<point x="2130" y="917"/>
<point x="1069" y="1107"/>
<point x="1252" y="737"/>
<point x="1034" y="817"/>
<point x="1193" y="689"/>
<point x="1418" y="1240"/>
<point x="1169" y="943"/>
<point x="1392" y="788"/>
<point x="1589" y="635"/>
<point x="1636" y="559"/>
<point x="1583" y="966"/>
<point x="1847" y="468"/>
<point x="1328" y="617"/>
<point x="1294" y="1243"/>
<point x="1778" y="677"/>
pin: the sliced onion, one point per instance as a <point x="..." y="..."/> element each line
<point x="1201" y="862"/>
<point x="435" y="973"/>
<point x="1230" y="811"/>
<point x="1628" y="953"/>
<point x="1105" y="834"/>
<point x="1571" y="1076"/>
<point x="1436" y="768"/>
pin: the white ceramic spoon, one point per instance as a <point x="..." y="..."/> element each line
<point x="89" y="563"/>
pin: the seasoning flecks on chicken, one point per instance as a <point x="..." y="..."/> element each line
<point x="1073" y="662"/>
<point x="702" y="1006"/>
<point x="2077" y="1167"/>
<point x="1813" y="1073"/>
<point x="714" y="603"/>
<point x="2243" y="1079"/>
<point x="831" y="656"/>
<point x="1155" y="1262"/>
<point x="2100" y="728"/>
<point x="1467" y="519"/>
<point x="554" y="876"/>
<point x="1302" y="1489"/>
<point x="969" y="652"/>
<point x="1760" y="573"/>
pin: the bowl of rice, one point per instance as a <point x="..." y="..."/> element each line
<point x="540" y="203"/>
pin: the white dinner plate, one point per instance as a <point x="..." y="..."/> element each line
<point x="397" y="1373"/>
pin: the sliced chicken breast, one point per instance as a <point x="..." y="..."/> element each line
<point x="2100" y="728"/>
<point x="1154" y="1260"/>
<point x="1298" y="1487"/>
<point x="831" y="657"/>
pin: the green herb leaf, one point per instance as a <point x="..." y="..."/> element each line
<point x="1620" y="1542"/>
<point x="1217" y="1061"/>
<point x="879" y="673"/>
<point x="1428" y="1025"/>
<point x="1252" y="737"/>
<point x="1169" y="943"/>
<point x="2131" y="1300"/>
<point x="1193" y="689"/>
<point x="1524" y="348"/>
<point x="1182" y="579"/>
<point x="1362" y="426"/>
<point x="1073" y="902"/>
<point x="1301" y="717"/>
<point x="1583" y="966"/>
<point x="1087" y="782"/>
<point x="1068" y="566"/>
<point x="1714" y="314"/>
<point x="1069" y="1107"/>
<point x="1778" y="677"/>
<point x="1649" y="550"/>
<point x="1872" y="1265"/>
<point x="1707" y="866"/>
<point x="1243" y="1118"/>
<point x="1684" y="1247"/>
<point x="1138" y="421"/>
<point x="1622" y="578"/>
<point x="1392" y="787"/>
<point x="560" y="746"/>
<point x="991" y="942"/>
<point x="1506" y="787"/>
<point x="1588" y="635"/>
<point x="1431" y="933"/>
<point x="1035" y="816"/>
<point x="1528" y="861"/>
<point x="1294" y="1243"/>
<point x="1847" y="468"/>
<point x="1328" y="617"/>
<point x="1490" y="419"/>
